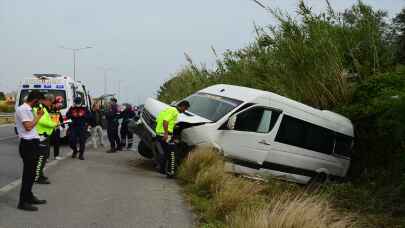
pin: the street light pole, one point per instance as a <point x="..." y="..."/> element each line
<point x="119" y="89"/>
<point x="74" y="65"/>
<point x="105" y="82"/>
<point x="105" y="69"/>
<point x="74" y="50"/>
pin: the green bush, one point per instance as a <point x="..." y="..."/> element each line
<point x="309" y="59"/>
<point x="5" y="107"/>
<point x="377" y="113"/>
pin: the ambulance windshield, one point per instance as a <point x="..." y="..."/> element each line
<point x="56" y="93"/>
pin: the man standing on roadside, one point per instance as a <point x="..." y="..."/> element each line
<point x="112" y="116"/>
<point x="96" y="129"/>
<point x="80" y="116"/>
<point x="29" y="144"/>
<point x="126" y="135"/>
<point x="165" y="123"/>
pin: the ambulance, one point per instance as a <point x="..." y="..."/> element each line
<point x="60" y="86"/>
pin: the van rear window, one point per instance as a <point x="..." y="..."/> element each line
<point x="24" y="94"/>
<point x="306" y="135"/>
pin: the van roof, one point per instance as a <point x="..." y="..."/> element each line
<point x="248" y="95"/>
<point x="235" y="92"/>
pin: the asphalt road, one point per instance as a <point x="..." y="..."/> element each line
<point x="105" y="190"/>
<point x="10" y="161"/>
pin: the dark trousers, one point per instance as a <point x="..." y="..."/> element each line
<point x="112" y="133"/>
<point x="29" y="154"/>
<point x="43" y="155"/>
<point x="167" y="157"/>
<point x="55" y="141"/>
<point x="77" y="135"/>
<point x="126" y="136"/>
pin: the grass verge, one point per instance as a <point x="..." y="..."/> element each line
<point x="221" y="199"/>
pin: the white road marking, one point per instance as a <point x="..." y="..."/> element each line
<point x="10" y="186"/>
<point x="17" y="182"/>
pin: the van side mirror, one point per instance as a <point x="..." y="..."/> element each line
<point x="173" y="103"/>
<point x="231" y="122"/>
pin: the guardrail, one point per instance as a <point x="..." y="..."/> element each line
<point x="4" y="114"/>
<point x="6" y="118"/>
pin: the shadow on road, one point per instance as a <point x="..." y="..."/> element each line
<point x="140" y="163"/>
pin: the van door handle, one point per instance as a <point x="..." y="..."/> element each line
<point x="264" y="142"/>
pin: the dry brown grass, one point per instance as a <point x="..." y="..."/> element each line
<point x="199" y="159"/>
<point x="287" y="212"/>
<point x="237" y="202"/>
<point x="211" y="178"/>
<point x="233" y="193"/>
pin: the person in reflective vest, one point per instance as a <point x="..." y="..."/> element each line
<point x="45" y="128"/>
<point x="57" y="117"/>
<point x="80" y="117"/>
<point x="165" y="124"/>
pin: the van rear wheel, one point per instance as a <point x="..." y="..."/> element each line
<point x="319" y="178"/>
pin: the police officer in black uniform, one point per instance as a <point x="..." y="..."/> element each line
<point x="126" y="135"/>
<point x="80" y="117"/>
<point x="112" y="116"/>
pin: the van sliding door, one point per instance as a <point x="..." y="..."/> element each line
<point x="251" y="138"/>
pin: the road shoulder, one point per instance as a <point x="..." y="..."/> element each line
<point x="106" y="190"/>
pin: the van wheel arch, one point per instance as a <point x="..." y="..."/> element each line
<point x="319" y="178"/>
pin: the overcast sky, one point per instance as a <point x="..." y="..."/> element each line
<point x="141" y="42"/>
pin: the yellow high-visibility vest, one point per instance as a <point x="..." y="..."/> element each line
<point x="170" y="115"/>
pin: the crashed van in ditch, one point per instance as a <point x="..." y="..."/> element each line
<point x="259" y="132"/>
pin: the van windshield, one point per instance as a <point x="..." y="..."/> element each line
<point x="211" y="107"/>
<point x="56" y="93"/>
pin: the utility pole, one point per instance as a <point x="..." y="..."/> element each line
<point x="74" y="50"/>
<point x="105" y="70"/>
<point x="119" y="89"/>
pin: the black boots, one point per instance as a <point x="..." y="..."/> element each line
<point x="112" y="150"/>
<point x="37" y="201"/>
<point x="27" y="207"/>
<point x="74" y="155"/>
<point x="43" y="180"/>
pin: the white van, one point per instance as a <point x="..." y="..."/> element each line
<point x="260" y="132"/>
<point x="58" y="85"/>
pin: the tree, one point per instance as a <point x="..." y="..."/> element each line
<point x="399" y="36"/>
<point x="2" y="96"/>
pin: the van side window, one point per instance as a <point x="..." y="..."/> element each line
<point x="258" y="119"/>
<point x="302" y="134"/>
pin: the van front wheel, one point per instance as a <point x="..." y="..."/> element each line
<point x="144" y="150"/>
